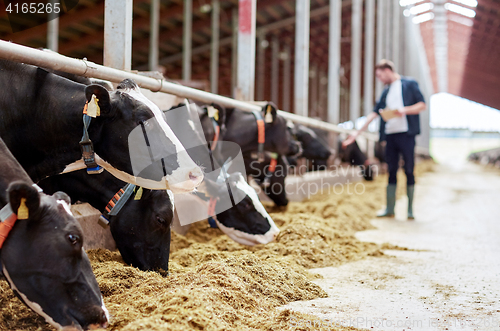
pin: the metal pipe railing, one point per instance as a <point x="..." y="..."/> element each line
<point x="54" y="61"/>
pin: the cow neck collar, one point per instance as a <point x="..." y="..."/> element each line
<point x="87" y="147"/>
<point x="212" y="216"/>
<point x="216" y="134"/>
<point x="8" y="219"/>
<point x="261" y="135"/>
<point x="116" y="204"/>
<point x="270" y="171"/>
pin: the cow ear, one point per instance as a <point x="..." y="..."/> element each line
<point x="18" y="191"/>
<point x="222" y="114"/>
<point x="269" y="111"/>
<point x="62" y="196"/>
<point x="102" y="95"/>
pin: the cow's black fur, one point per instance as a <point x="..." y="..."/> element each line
<point x="272" y="183"/>
<point x="243" y="216"/>
<point x="241" y="128"/>
<point x="42" y="257"/>
<point x="141" y="229"/>
<point x="41" y="120"/>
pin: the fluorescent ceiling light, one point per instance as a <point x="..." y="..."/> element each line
<point x="421" y="8"/>
<point x="461" y="20"/>
<point x="423" y="18"/>
<point x="404" y="3"/>
<point x="460" y="10"/>
<point x="470" y="3"/>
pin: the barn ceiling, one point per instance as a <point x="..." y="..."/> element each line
<point x="473" y="51"/>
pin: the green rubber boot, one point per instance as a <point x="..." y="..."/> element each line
<point x="410" y="190"/>
<point x="391" y="201"/>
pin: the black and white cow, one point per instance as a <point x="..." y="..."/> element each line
<point x="241" y="128"/>
<point x="247" y="221"/>
<point x="314" y="147"/>
<point x="270" y="175"/>
<point x="42" y="125"/>
<point x="353" y="155"/>
<point x="141" y="229"/>
<point x="42" y="256"/>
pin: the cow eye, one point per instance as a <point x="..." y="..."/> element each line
<point x="160" y="220"/>
<point x="73" y="238"/>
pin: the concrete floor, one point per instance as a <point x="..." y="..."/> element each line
<point x="449" y="281"/>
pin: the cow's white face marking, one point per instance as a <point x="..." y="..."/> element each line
<point x="171" y="197"/>
<point x="247" y="238"/>
<point x="66" y="206"/>
<point x="180" y="177"/>
<point x="33" y="305"/>
<point x="250" y="191"/>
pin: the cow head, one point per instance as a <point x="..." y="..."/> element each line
<point x="142" y="230"/>
<point x="247" y="222"/>
<point x="313" y="146"/>
<point x="278" y="139"/>
<point x="124" y="112"/>
<point x="45" y="264"/>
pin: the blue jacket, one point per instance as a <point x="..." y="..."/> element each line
<point x="411" y="95"/>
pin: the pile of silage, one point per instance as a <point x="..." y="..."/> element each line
<point x="217" y="284"/>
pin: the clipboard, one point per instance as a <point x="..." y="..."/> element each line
<point x="388" y="114"/>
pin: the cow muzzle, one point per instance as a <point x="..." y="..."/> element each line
<point x="185" y="180"/>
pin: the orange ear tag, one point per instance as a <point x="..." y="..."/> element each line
<point x="22" y="211"/>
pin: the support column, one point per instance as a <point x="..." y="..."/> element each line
<point x="369" y="60"/>
<point x="53" y="31"/>
<point x="287" y="77"/>
<point x="275" y="67"/>
<point x="313" y="95"/>
<point x="380" y="40"/>
<point x="396" y="13"/>
<point x="214" y="54"/>
<point x="355" y="88"/>
<point x="154" y="33"/>
<point x="118" y="34"/>
<point x="262" y="44"/>
<point x="323" y="93"/>
<point x="440" y="25"/>
<point x="335" y="28"/>
<point x="246" y="49"/>
<point x="301" y="88"/>
<point x="388" y="29"/>
<point x="234" y="52"/>
<point x="186" y="40"/>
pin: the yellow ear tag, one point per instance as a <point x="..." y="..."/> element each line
<point x="269" y="117"/>
<point x="93" y="109"/>
<point x="138" y="194"/>
<point x="22" y="211"/>
<point x="213" y="112"/>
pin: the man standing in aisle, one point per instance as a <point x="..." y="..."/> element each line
<point x="403" y="100"/>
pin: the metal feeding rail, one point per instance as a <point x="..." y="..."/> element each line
<point x="54" y="61"/>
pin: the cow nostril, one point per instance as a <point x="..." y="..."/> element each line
<point x="104" y="320"/>
<point x="195" y="175"/>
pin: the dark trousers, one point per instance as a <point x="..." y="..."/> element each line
<point x="400" y="144"/>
